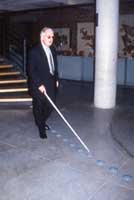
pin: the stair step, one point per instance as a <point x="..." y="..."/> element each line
<point x="13" y="85"/>
<point x="12" y="69"/>
<point x="14" y="90"/>
<point x="15" y="97"/>
<point x="19" y="94"/>
<point x="13" y="81"/>
<point x="10" y="100"/>
<point x="16" y="105"/>
<point x="4" y="66"/>
<point x="12" y="77"/>
<point x="9" y="73"/>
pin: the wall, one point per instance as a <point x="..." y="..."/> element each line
<point x="31" y="22"/>
<point x="55" y="18"/>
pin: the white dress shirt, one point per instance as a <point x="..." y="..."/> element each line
<point x="49" y="57"/>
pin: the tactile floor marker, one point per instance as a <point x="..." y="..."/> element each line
<point x="127" y="178"/>
<point x="113" y="170"/>
<point x="101" y="163"/>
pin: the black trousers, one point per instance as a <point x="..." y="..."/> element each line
<point x="41" y="106"/>
<point x="41" y="110"/>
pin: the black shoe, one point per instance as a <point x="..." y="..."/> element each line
<point x="43" y="134"/>
<point x="47" y="128"/>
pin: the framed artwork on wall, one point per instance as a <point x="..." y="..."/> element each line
<point x="85" y="38"/>
<point x="126" y="36"/>
<point x="62" y="38"/>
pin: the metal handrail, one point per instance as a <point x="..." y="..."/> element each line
<point x="18" y="50"/>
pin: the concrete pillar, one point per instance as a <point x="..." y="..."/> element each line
<point x="106" y="53"/>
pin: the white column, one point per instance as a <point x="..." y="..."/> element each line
<point x="106" y="53"/>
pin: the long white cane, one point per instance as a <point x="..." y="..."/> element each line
<point x="61" y="115"/>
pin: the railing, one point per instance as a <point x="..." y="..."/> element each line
<point x="18" y="50"/>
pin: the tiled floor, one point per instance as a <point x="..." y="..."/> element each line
<point x="59" y="168"/>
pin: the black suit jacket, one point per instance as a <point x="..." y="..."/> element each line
<point x="39" y="74"/>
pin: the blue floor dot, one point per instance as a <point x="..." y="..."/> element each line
<point x="80" y="150"/>
<point x="100" y="162"/>
<point x="53" y="131"/>
<point x="72" y="145"/>
<point x="65" y="140"/>
<point x="90" y="155"/>
<point x="127" y="178"/>
<point x="113" y="170"/>
<point x="58" y="135"/>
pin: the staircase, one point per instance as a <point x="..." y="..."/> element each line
<point x="13" y="86"/>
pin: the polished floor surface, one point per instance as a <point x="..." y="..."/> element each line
<point x="60" y="168"/>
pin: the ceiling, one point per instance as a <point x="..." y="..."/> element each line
<point x="22" y="5"/>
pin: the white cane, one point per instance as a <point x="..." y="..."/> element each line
<point x="61" y="115"/>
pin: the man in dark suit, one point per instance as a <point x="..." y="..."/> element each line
<point x="43" y="78"/>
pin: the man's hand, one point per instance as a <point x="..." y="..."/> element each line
<point x="42" y="89"/>
<point x="57" y="84"/>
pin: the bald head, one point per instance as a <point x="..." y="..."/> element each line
<point x="46" y="36"/>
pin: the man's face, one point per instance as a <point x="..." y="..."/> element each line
<point x="48" y="37"/>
